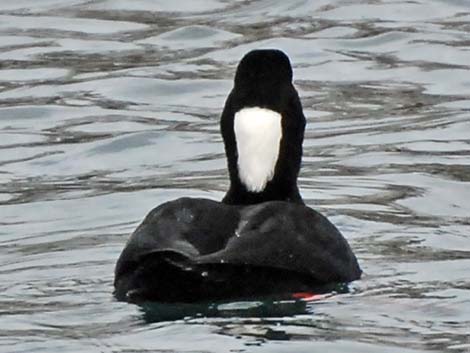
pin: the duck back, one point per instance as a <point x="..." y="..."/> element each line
<point x="194" y="249"/>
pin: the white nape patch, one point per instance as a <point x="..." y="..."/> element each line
<point x="258" y="133"/>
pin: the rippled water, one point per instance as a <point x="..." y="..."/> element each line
<point x="108" y="108"/>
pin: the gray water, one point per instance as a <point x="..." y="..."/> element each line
<point x="110" y="107"/>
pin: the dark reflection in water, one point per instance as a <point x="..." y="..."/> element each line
<point x="277" y="306"/>
<point x="110" y="107"/>
<point x="156" y="312"/>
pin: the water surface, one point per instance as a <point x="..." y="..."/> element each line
<point x="108" y="108"/>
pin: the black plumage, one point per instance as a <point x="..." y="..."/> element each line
<point x="251" y="243"/>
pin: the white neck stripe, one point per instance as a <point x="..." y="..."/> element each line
<point x="258" y="134"/>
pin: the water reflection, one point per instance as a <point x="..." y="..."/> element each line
<point x="156" y="312"/>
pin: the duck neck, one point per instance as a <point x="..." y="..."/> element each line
<point x="264" y="151"/>
<point x="239" y="195"/>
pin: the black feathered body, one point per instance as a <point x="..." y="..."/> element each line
<point x="194" y="249"/>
